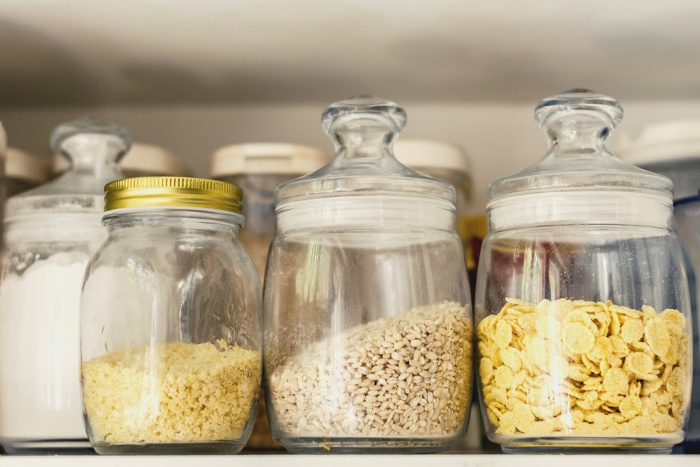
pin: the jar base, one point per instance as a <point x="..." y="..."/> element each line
<point x="217" y="447"/>
<point x="307" y="445"/>
<point x="17" y="446"/>
<point x="652" y="444"/>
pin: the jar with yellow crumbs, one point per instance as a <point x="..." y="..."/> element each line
<point x="582" y="301"/>
<point x="171" y="321"/>
<point x="368" y="318"/>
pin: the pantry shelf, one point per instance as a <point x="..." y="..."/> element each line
<point x="283" y="460"/>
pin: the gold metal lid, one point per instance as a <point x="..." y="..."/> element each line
<point x="172" y="191"/>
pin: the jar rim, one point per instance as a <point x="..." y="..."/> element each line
<point x="175" y="211"/>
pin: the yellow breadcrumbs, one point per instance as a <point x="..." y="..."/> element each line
<point x="174" y="392"/>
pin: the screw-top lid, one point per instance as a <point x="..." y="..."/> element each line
<point x="363" y="130"/>
<point x="24" y="166"/>
<point x="425" y="153"/>
<point x="267" y="158"/>
<point x="173" y="191"/>
<point x="579" y="181"/>
<point x="94" y="146"/>
<point x="146" y="159"/>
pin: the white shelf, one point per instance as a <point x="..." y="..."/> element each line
<point x="287" y="460"/>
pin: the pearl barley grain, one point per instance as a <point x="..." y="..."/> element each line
<point x="361" y="383"/>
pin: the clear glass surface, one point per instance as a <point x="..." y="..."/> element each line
<point x="256" y="235"/>
<point x="368" y="319"/>
<point x="687" y="221"/>
<point x="582" y="304"/>
<point x="171" y="334"/>
<point x="51" y="231"/>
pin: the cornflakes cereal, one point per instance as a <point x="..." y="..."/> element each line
<point x="577" y="338"/>
<point x="657" y="336"/>
<point x="639" y="363"/>
<point x="485" y="370"/>
<point x="503" y="377"/>
<point x="504" y="334"/>
<point x="616" y="381"/>
<point x="511" y="358"/>
<point x="632" y="331"/>
<point x="584" y="368"/>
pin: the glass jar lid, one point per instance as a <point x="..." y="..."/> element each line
<point x="173" y="191"/>
<point x="93" y="146"/>
<point x="578" y="180"/>
<point x="363" y="130"/>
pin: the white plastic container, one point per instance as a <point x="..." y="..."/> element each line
<point x="670" y="148"/>
<point x="258" y="168"/>
<point x="142" y="160"/>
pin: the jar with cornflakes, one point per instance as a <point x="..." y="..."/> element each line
<point x="582" y="302"/>
<point x="170" y="328"/>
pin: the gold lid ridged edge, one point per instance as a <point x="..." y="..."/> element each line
<point x="173" y="191"/>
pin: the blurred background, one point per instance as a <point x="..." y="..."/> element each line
<point x="194" y="76"/>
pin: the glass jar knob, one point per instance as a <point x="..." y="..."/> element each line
<point x="363" y="127"/>
<point x="92" y="144"/>
<point x="577" y="121"/>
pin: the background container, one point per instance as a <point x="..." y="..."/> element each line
<point x="258" y="168"/>
<point x="24" y="171"/>
<point x="670" y="148"/>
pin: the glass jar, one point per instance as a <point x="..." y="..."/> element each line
<point x="687" y="221"/>
<point x="672" y="148"/>
<point x="171" y="321"/>
<point x="367" y="310"/>
<point x="51" y="232"/>
<point x="448" y="162"/>
<point x="582" y="301"/>
<point x="258" y="168"/>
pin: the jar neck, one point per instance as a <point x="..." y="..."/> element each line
<point x="580" y="207"/>
<point x="384" y="213"/>
<point x="76" y="227"/>
<point x="175" y="217"/>
<point x="577" y="134"/>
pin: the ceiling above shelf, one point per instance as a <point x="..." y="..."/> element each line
<point x="68" y="52"/>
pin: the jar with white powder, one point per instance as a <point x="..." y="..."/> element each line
<point x="51" y="232"/>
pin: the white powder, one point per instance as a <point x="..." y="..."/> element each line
<point x="40" y="395"/>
